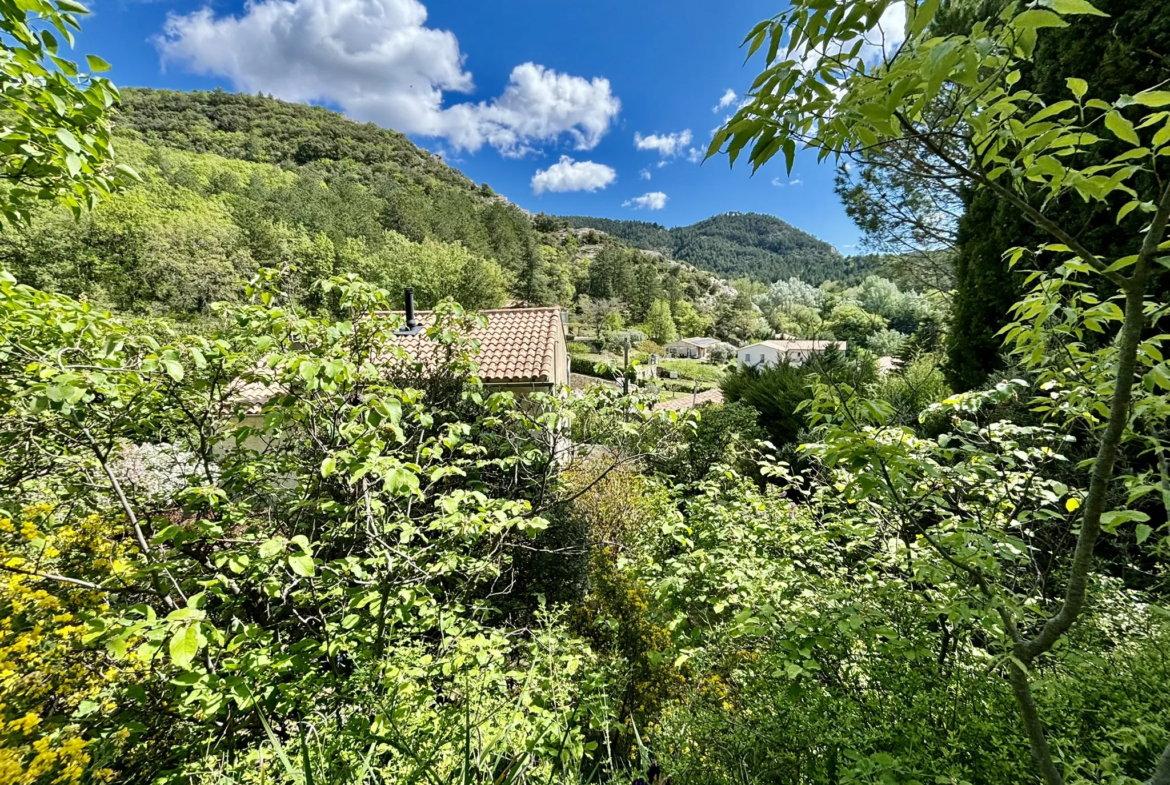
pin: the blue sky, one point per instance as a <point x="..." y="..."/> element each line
<point x="545" y="100"/>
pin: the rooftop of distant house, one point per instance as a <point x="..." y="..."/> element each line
<point x="518" y="345"/>
<point x="697" y="341"/>
<point x="794" y="345"/>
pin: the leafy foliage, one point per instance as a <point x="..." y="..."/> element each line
<point x="1026" y="151"/>
<point x="55" y="143"/>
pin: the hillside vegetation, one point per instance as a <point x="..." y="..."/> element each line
<point x="738" y="245"/>
<point x="281" y="545"/>
<point x="231" y="183"/>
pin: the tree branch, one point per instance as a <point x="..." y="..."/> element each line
<point x="1102" y="477"/>
<point x="48" y="576"/>
<point x="1029" y="212"/>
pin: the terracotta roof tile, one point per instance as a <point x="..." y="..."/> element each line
<point x="253" y="394"/>
<point x="518" y="345"/>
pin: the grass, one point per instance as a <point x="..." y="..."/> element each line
<point x="693" y="369"/>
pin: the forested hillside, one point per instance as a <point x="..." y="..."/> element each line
<point x="232" y="183"/>
<point x="739" y="245"/>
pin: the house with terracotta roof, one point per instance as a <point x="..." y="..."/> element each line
<point x="520" y="349"/>
<point x="691" y="348"/>
<point x="796" y="352"/>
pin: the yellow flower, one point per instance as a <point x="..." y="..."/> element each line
<point x="25" y="724"/>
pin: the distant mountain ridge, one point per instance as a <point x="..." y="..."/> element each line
<point x="737" y="245"/>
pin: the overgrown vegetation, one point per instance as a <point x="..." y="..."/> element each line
<point x="279" y="548"/>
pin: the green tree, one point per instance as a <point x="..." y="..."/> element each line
<point x="436" y="271"/>
<point x="55" y="143"/>
<point x="850" y="322"/>
<point x="1118" y="54"/>
<point x="1029" y="152"/>
<point x="690" y="322"/>
<point x="660" y="324"/>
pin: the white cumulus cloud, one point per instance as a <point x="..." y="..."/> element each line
<point x="667" y="145"/>
<point x="644" y="174"/>
<point x="727" y="100"/>
<point x="378" y="61"/>
<point x="654" y="200"/>
<point x="569" y="175"/>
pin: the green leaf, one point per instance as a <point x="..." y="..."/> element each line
<point x="1143" y="533"/>
<point x="184" y="646"/>
<point x="1037" y="18"/>
<point x="272" y="547"/>
<point x="1155" y="98"/>
<point x="1122" y="128"/>
<point x="116" y="647"/>
<point x="174" y="369"/>
<point x="1051" y="111"/>
<point x="1069" y="7"/>
<point x="923" y="15"/>
<point x="96" y="64"/>
<point x="302" y="564"/>
<point x="129" y="172"/>
<point x="328" y="466"/>
<point x="1078" y="86"/>
<point x="1162" y="136"/>
<point x="1111" y="520"/>
<point x="68" y="139"/>
<point x="72" y="7"/>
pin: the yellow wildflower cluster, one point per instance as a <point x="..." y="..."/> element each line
<point x="45" y="671"/>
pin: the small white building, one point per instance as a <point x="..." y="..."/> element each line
<point x="888" y="365"/>
<point x="691" y="348"/>
<point x="796" y="352"/>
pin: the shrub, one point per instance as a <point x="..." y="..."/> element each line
<point x="776" y="393"/>
<point x="724" y="434"/>
<point x="616" y="341"/>
<point x="649" y="347"/>
<point x="721" y="352"/>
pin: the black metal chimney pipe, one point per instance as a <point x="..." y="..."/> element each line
<point x="412" y="327"/>
<point x="410" y="322"/>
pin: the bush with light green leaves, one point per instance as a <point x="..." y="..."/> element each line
<point x="956" y="106"/>
<point x="335" y="550"/>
